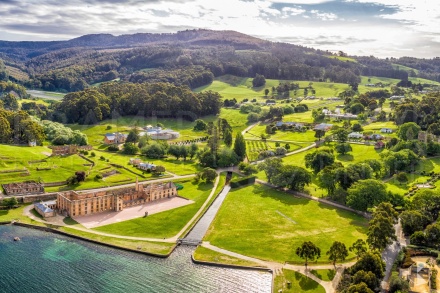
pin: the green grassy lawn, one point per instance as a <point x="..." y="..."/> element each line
<point x="422" y="81"/>
<point x="165" y="224"/>
<point x="17" y="214"/>
<point x="377" y="126"/>
<point x="179" y="167"/>
<point x="95" y="133"/>
<point x="208" y="255"/>
<point x="271" y="224"/>
<point x="299" y="283"/>
<point x="46" y="95"/>
<point x="146" y="246"/>
<point x="342" y="58"/>
<point x="428" y="165"/>
<point x="324" y="274"/>
<point x="404" y="68"/>
<point x="292" y="136"/>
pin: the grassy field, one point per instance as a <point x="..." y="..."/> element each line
<point x="404" y="68"/>
<point x="17" y="214"/>
<point x="271" y="224"/>
<point x="46" y="95"/>
<point x="324" y="274"/>
<point x="165" y="224"/>
<point x="299" y="283"/>
<point x="205" y="254"/>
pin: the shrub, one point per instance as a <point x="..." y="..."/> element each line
<point x="108" y="127"/>
<point x="98" y="176"/>
<point x="237" y="182"/>
<point x="93" y="154"/>
<point x="102" y="158"/>
<point x="113" y="148"/>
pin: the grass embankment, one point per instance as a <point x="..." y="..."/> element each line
<point x="298" y="283"/>
<point x="17" y="215"/>
<point x="324" y="274"/>
<point x="165" y="224"/>
<point x="145" y="246"/>
<point x="208" y="255"/>
<point x="264" y="223"/>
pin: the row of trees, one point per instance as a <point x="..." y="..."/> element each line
<point x="20" y="128"/>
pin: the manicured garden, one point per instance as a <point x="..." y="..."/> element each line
<point x="165" y="224"/>
<point x="271" y="224"/>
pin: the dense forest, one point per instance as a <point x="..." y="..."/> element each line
<point x="192" y="58"/>
<point x="115" y="99"/>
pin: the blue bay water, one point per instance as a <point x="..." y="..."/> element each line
<point x="46" y="262"/>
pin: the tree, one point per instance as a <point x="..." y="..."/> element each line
<point x="193" y="149"/>
<point x="213" y="142"/>
<point x="381" y="232"/>
<point x="337" y="251"/>
<point x="5" y="130"/>
<point x="359" y="288"/>
<point x="427" y="202"/>
<point x="159" y="170"/>
<point x="359" y="247"/>
<point x="200" y="125"/>
<point x="227" y="158"/>
<point x="271" y="166"/>
<point x="240" y="146"/>
<point x="432" y="234"/>
<point x="418" y="238"/>
<point x="365" y="194"/>
<point x="293" y="177"/>
<point x="228" y="137"/>
<point x="319" y="160"/>
<point x="319" y="133"/>
<point x="357" y="127"/>
<point x="208" y="174"/>
<point x="343" y="148"/>
<point x="402" y="177"/>
<point x="133" y="136"/>
<point x="366" y="277"/>
<point x="258" y="80"/>
<point x="398" y="284"/>
<point x="154" y="151"/>
<point x="308" y="251"/>
<point x="266" y="92"/>
<point x="207" y="158"/>
<point x="327" y="179"/>
<point x="408" y="131"/>
<point x="130" y="148"/>
<point x="341" y="135"/>
<point x="356" y="108"/>
<point x="370" y="262"/>
<point x="10" y="202"/>
<point x="413" y="221"/>
<point x="175" y="151"/>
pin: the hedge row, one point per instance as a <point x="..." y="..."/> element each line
<point x="237" y="182"/>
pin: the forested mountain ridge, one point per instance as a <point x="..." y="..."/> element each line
<point x="192" y="58"/>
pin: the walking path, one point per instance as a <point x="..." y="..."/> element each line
<point x="329" y="286"/>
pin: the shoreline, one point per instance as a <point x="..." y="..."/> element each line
<point x="55" y="231"/>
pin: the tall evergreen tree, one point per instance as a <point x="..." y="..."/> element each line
<point x="240" y="146"/>
<point x="228" y="137"/>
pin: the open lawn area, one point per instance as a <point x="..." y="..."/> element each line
<point x="299" y="283"/>
<point x="264" y="223"/>
<point x="165" y="224"/>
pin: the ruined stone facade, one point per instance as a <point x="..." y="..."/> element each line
<point x="23" y="188"/>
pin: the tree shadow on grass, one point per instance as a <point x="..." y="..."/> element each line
<point x="281" y="196"/>
<point x="345" y="158"/>
<point x="305" y="282"/>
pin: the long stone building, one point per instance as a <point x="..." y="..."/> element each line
<point x="23" y="188"/>
<point x="74" y="204"/>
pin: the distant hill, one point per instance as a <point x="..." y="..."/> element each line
<point x="191" y="57"/>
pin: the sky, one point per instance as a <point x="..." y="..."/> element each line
<point x="383" y="28"/>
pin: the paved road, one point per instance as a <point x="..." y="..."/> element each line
<point x="390" y="253"/>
